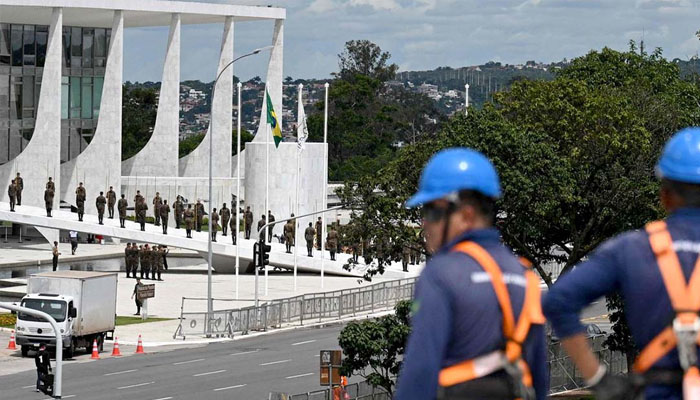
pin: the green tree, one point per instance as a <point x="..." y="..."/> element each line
<point x="362" y="57"/>
<point x="246" y="137"/>
<point x="138" y="118"/>
<point x="372" y="348"/>
<point x="188" y="145"/>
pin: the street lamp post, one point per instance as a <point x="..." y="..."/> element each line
<point x="210" y="304"/>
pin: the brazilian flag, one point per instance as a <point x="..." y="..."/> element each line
<point x="272" y="120"/>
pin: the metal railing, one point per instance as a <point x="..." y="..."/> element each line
<point x="563" y="374"/>
<point x="298" y="310"/>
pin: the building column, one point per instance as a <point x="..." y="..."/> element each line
<point x="41" y="158"/>
<point x="159" y="157"/>
<point x="99" y="165"/>
<point x="196" y="164"/>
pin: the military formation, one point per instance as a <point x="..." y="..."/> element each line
<point x="148" y="261"/>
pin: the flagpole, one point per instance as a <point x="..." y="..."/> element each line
<point x="267" y="189"/>
<point x="296" y="205"/>
<point x="238" y="184"/>
<point x="324" y="200"/>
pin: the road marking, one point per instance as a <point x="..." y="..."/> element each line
<point x="27" y="387"/>
<point x="136" y="385"/>
<point x="164" y="398"/>
<point x="245" y="352"/>
<point x="317" y="355"/>
<point x="229" y="387"/>
<point x="275" y="362"/>
<point x="121" y="372"/>
<point x="210" y="373"/>
<point x="305" y="342"/>
<point x="299" y="376"/>
<point x="68" y="397"/>
<point x="187" y="362"/>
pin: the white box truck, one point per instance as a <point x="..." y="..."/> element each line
<point x="83" y="303"/>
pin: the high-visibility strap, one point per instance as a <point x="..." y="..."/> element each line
<point x="515" y="334"/>
<point x="685" y="299"/>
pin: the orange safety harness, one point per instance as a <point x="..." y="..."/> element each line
<point x="509" y="359"/>
<point x="683" y="334"/>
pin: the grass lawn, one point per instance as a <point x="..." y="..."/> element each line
<point x="123" y="320"/>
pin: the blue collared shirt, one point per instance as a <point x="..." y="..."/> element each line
<point x="457" y="317"/>
<point x="627" y="264"/>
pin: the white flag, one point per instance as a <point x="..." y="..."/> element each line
<point x="302" y="129"/>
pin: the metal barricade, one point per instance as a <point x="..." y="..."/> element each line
<point x="298" y="310"/>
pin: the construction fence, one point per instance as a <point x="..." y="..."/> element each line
<point x="359" y="391"/>
<point x="295" y="311"/>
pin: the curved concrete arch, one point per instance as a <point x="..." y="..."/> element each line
<point x="41" y="158"/>
<point x="159" y="157"/>
<point x="273" y="82"/>
<point x="99" y="165"/>
<point x="196" y="164"/>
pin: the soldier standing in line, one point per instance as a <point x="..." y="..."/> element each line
<point x="156" y="259"/>
<point x="405" y="257"/>
<point x="234" y="228"/>
<point x="134" y="258"/>
<point x="145" y="258"/>
<point x="127" y="259"/>
<point x="225" y="215"/>
<point x="138" y="198"/>
<point x="248" y="221"/>
<point x="159" y="255"/>
<point x="48" y="200"/>
<point x="164" y="253"/>
<point x="111" y="201"/>
<point x="261" y="223"/>
<point x="20" y="186"/>
<point x="214" y="224"/>
<point x="294" y="230"/>
<point x="142" y="208"/>
<point x="164" y="213"/>
<point x="157" y="202"/>
<point x="309" y="234"/>
<point x="100" y="203"/>
<point x="80" y="196"/>
<point x="332" y="241"/>
<point x="122" y="204"/>
<point x="199" y="214"/>
<point x="288" y="232"/>
<point x="178" y="209"/>
<point x="319" y="232"/>
<point x="270" y="218"/>
<point x="51" y="185"/>
<point x="12" y="192"/>
<point x="189" y="220"/>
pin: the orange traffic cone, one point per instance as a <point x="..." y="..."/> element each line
<point x="95" y="353"/>
<point x="12" y="345"/>
<point x="115" y="349"/>
<point x="139" y="347"/>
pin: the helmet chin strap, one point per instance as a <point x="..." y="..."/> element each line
<point x="451" y="208"/>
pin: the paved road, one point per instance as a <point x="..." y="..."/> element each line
<point x="244" y="369"/>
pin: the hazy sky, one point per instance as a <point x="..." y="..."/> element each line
<point x="425" y="34"/>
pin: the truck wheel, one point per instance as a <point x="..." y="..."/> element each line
<point x="25" y="351"/>
<point x="69" y="352"/>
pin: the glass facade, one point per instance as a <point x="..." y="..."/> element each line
<point x="22" y="57"/>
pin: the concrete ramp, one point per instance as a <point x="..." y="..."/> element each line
<point x="224" y="260"/>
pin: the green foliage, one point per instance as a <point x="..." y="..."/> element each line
<point x="367" y="119"/>
<point x="189" y="144"/>
<point x="246" y="137"/>
<point x="575" y="156"/>
<point x="372" y="347"/>
<point x="138" y="118"/>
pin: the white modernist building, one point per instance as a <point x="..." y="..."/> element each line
<point x="61" y="64"/>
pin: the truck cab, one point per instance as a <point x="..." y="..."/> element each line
<point x="33" y="331"/>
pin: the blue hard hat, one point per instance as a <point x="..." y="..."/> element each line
<point x="680" y="159"/>
<point x="455" y="169"/>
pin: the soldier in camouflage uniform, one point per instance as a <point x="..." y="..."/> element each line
<point x="111" y="201"/>
<point x="189" y="220"/>
<point x="178" y="209"/>
<point x="145" y="259"/>
<point x="122" y="205"/>
<point x="80" y="196"/>
<point x="288" y="232"/>
<point x="100" y="203"/>
<point x="214" y="224"/>
<point x="198" y="215"/>
<point x="164" y="213"/>
<point x="127" y="259"/>
<point x="332" y="242"/>
<point x="48" y="200"/>
<point x="19" y="183"/>
<point x="248" y="221"/>
<point x="12" y="193"/>
<point x="309" y="234"/>
<point x="156" y="262"/>
<point x="157" y="202"/>
<point x="319" y="233"/>
<point x="225" y="215"/>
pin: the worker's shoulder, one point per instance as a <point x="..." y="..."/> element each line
<point x="625" y="242"/>
<point x="449" y="266"/>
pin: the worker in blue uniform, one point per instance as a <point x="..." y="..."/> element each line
<point x="477" y="325"/>
<point x="652" y="269"/>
